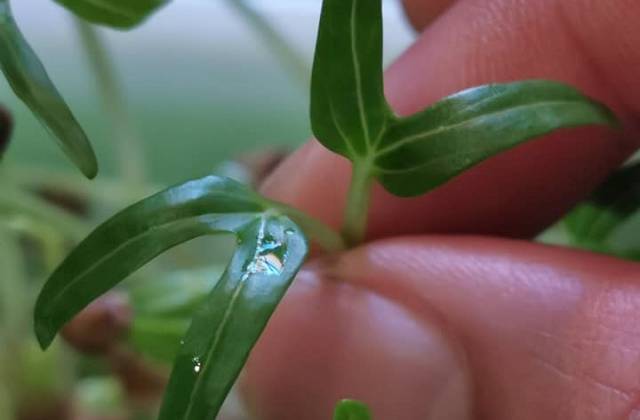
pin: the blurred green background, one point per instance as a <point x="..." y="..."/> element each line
<point x="201" y="85"/>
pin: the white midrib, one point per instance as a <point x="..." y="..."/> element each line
<point x="423" y="135"/>
<point x="358" y="76"/>
<point x="225" y="320"/>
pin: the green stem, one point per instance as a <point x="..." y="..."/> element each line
<point x="356" y="212"/>
<point x="129" y="146"/>
<point x="290" y="59"/>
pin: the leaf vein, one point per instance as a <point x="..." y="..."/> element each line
<point x="424" y="135"/>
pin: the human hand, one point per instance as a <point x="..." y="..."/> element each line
<point x="468" y="326"/>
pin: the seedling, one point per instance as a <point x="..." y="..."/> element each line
<point x="409" y="156"/>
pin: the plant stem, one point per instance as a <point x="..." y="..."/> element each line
<point x="129" y="147"/>
<point x="290" y="59"/>
<point x="356" y="212"/>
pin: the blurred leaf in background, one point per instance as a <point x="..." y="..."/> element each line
<point x="609" y="221"/>
<point x="30" y="82"/>
<point x="122" y="14"/>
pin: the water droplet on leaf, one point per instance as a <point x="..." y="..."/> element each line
<point x="197" y="365"/>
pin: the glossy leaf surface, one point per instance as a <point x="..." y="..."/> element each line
<point x="351" y="410"/>
<point x="29" y="80"/>
<point x="348" y="109"/>
<point x="413" y="155"/>
<point x="270" y="250"/>
<point x="121" y="14"/>
<point x="604" y="222"/>
<point x="224" y="330"/>
<point x="424" y="151"/>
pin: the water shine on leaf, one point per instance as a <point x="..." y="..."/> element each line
<point x="271" y="249"/>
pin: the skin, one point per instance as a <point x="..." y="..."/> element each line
<point x="480" y="323"/>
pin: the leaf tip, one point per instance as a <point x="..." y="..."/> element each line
<point x="89" y="165"/>
<point x="43" y="333"/>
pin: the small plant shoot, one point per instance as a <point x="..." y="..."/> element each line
<point x="413" y="155"/>
<point x="409" y="156"/>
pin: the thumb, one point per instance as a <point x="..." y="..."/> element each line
<point x="455" y="328"/>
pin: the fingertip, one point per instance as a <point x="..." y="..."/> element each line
<point x="420" y="13"/>
<point x="346" y="342"/>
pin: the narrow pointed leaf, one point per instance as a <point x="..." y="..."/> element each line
<point x="270" y="250"/>
<point x="351" y="410"/>
<point x="223" y="332"/>
<point x="597" y="223"/>
<point x="122" y="14"/>
<point x="348" y="109"/>
<point x="29" y="80"/>
<point x="424" y="151"/>
<point x="413" y="155"/>
<point x="135" y="236"/>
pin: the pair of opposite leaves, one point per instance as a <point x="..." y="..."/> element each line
<point x="350" y="116"/>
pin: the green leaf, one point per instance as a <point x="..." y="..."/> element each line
<point x="29" y="80"/>
<point x="136" y="235"/>
<point x="237" y="310"/>
<point x="271" y="249"/>
<point x="413" y="155"/>
<point x="599" y="222"/>
<point x="123" y="14"/>
<point x="348" y="110"/>
<point x="351" y="410"/>
<point x="421" y="152"/>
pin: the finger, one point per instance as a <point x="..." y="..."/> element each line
<point x="590" y="44"/>
<point x="423" y="12"/>
<point x="455" y="328"/>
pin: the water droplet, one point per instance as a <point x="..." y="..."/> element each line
<point x="269" y="264"/>
<point x="197" y="365"/>
<point x="289" y="231"/>
<point x="269" y="245"/>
